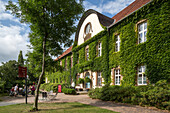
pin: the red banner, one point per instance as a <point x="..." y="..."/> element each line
<point x="22" y="71"/>
<point x="59" y="88"/>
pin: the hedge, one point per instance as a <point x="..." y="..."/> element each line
<point x="69" y="91"/>
<point x="53" y="86"/>
<point x="152" y="95"/>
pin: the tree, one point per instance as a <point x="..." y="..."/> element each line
<point x="51" y="22"/>
<point x="8" y="73"/>
<point x="20" y="59"/>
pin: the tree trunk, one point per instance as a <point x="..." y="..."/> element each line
<point x="35" y="106"/>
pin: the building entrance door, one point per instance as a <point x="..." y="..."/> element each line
<point x="88" y="83"/>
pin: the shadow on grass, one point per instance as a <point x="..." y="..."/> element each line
<point x="69" y="106"/>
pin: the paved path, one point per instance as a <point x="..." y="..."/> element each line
<point x="118" y="107"/>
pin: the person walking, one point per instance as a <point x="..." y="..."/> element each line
<point x="33" y="89"/>
<point x="12" y="92"/>
<point x="16" y="90"/>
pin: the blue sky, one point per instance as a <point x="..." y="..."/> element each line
<point x="14" y="35"/>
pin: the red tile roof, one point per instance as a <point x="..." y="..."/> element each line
<point x="65" y="53"/>
<point x="129" y="9"/>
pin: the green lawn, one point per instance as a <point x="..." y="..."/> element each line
<point x="54" y="108"/>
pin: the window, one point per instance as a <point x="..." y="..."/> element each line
<point x="141" y="75"/>
<point x="99" y="49"/>
<point x="117" y="45"/>
<point x="87" y="31"/>
<point x="99" y="79"/>
<point x="78" y="76"/>
<point x="87" y="28"/>
<point x="87" y="54"/>
<point x="117" y="76"/>
<point x="142" y="30"/>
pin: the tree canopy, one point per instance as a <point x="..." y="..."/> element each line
<point x="9" y="73"/>
<point x="52" y="22"/>
<point x="20" y="59"/>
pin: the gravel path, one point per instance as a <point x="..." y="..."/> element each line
<point x="118" y="107"/>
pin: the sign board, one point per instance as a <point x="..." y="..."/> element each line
<point x="22" y="71"/>
<point x="59" y="88"/>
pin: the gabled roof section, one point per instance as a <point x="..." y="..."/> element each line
<point x="137" y="4"/>
<point x="104" y="20"/>
<point x="69" y="50"/>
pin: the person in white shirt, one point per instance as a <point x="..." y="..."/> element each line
<point x="16" y="90"/>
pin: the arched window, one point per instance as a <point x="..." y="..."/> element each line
<point x="87" y="74"/>
<point x="87" y="31"/>
<point x="87" y="28"/>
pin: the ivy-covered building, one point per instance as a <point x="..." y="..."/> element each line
<point x="131" y="48"/>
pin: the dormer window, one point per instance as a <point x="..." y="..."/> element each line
<point x="87" y="28"/>
<point x="87" y="31"/>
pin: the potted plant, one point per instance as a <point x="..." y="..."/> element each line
<point x="87" y="79"/>
<point x="81" y="81"/>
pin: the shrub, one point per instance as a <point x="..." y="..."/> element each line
<point x="81" y="81"/>
<point x="95" y="93"/>
<point x="2" y="84"/>
<point x="157" y="96"/>
<point x="117" y="93"/>
<point x="69" y="91"/>
<point x="53" y="86"/>
<point x="43" y="86"/>
<point x="87" y="79"/>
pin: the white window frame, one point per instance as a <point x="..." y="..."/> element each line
<point x="99" y="49"/>
<point x="141" y="72"/>
<point x="117" y="77"/>
<point x="143" y="32"/>
<point x="117" y="45"/>
<point x="99" y="79"/>
<point x="87" y="54"/>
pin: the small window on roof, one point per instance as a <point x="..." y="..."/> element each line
<point x="87" y="28"/>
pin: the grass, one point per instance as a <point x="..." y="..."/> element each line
<point x="54" y="108"/>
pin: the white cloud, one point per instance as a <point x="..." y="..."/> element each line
<point x="112" y="7"/>
<point x="2" y="6"/>
<point x="5" y="15"/>
<point x="13" y="37"/>
<point x="11" y="42"/>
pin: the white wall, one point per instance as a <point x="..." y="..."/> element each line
<point x="96" y="27"/>
<point x="46" y="80"/>
<point x="94" y="80"/>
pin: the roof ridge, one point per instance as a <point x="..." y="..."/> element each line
<point x="137" y="1"/>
